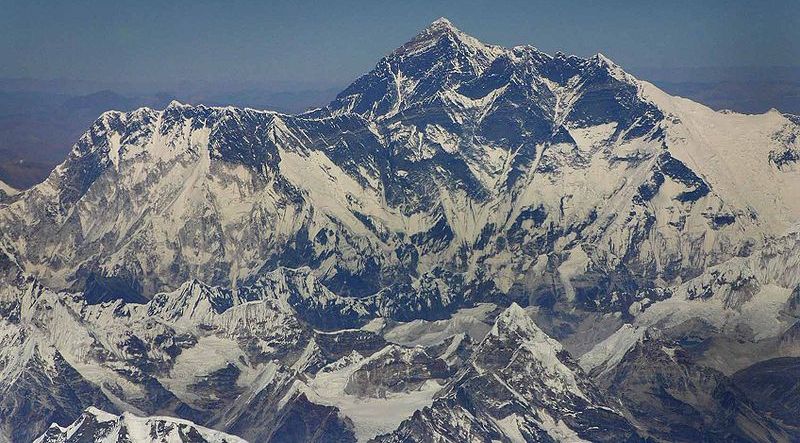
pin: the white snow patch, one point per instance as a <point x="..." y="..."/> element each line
<point x="558" y="430"/>
<point x="590" y="137"/>
<point x="370" y="416"/>
<point x="510" y="427"/>
<point x="576" y="264"/>
<point x="208" y="355"/>
<point x="7" y="189"/>
<point x="611" y="351"/>
<point x="469" y="321"/>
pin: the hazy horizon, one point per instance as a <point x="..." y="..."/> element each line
<point x="302" y="45"/>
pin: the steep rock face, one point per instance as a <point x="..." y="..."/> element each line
<point x="39" y="387"/>
<point x="274" y="410"/>
<point x="734" y="314"/>
<point x="6" y="192"/>
<point x="454" y="171"/>
<point x="95" y="425"/>
<point x="200" y="353"/>
<point x="520" y="385"/>
<point x="675" y="399"/>
<point x="394" y="369"/>
<point x="774" y="386"/>
<point x="439" y="58"/>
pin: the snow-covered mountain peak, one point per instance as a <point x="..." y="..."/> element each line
<point x="8" y="189"/>
<point x="96" y="425"/>
<point x="602" y="58"/>
<point x="518" y="386"/>
<point x="442" y="28"/>
<point x="194" y="301"/>
<point x="177" y="104"/>
<point x="613" y="69"/>
<point x="437" y="158"/>
<point x="516" y="332"/>
<point x="515" y="324"/>
<point x="442" y="21"/>
<point x="455" y="173"/>
<point x="439" y="58"/>
<point x="99" y="414"/>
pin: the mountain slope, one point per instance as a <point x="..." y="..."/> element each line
<point x="95" y="425"/>
<point x="282" y="277"/>
<point x="774" y="386"/>
<point x="6" y="192"/>
<point x="225" y="360"/>
<point x="39" y="387"/>
<point x="520" y="385"/>
<point x="674" y="399"/>
<point x="467" y="170"/>
<point x="736" y="313"/>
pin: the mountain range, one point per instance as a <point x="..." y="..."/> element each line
<point x="469" y="243"/>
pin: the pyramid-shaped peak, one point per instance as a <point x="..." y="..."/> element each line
<point x="515" y="315"/>
<point x="441" y="22"/>
<point x="193" y="286"/>
<point x="601" y="58"/>
<point x="439" y="29"/>
<point x="515" y="324"/>
<point x="442" y="26"/>
<point x="176" y="104"/>
<point x="193" y="299"/>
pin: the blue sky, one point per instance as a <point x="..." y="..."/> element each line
<point x="329" y="43"/>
